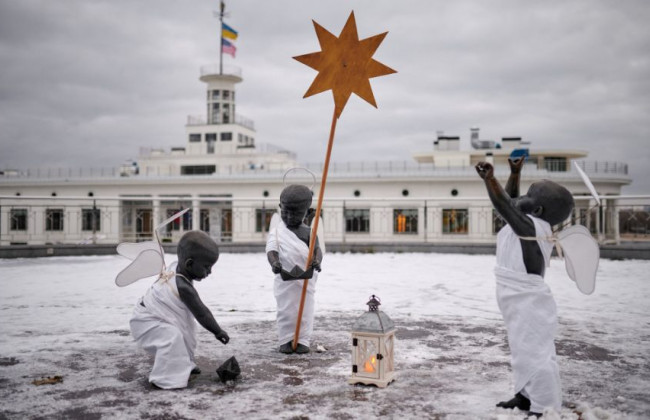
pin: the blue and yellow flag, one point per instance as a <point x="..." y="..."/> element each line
<point x="228" y="32"/>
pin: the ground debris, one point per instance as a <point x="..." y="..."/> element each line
<point x="50" y="380"/>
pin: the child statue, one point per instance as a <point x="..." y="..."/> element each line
<point x="163" y="319"/>
<point x="523" y="252"/>
<point x="287" y="248"/>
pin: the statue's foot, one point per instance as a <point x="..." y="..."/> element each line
<point x="302" y="349"/>
<point x="287" y="348"/>
<point x="519" y="401"/>
<point x="195" y="371"/>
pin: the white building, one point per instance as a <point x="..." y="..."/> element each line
<point x="233" y="184"/>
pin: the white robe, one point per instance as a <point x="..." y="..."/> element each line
<point x="530" y="315"/>
<point x="166" y="328"/>
<point x="292" y="252"/>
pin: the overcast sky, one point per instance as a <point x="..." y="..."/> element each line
<point x="87" y="83"/>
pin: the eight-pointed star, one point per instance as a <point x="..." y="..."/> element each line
<point x="345" y="64"/>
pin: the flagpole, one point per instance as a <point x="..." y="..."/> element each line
<point x="314" y="228"/>
<point x="223" y="8"/>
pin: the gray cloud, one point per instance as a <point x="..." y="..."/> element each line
<point x="88" y="83"/>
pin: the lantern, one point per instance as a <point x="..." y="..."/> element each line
<point x="373" y="340"/>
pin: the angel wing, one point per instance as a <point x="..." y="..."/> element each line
<point x="147" y="263"/>
<point x="147" y="257"/>
<point x="131" y="250"/>
<point x="581" y="255"/>
<point x="587" y="182"/>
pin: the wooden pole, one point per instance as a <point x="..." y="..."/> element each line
<point x="314" y="228"/>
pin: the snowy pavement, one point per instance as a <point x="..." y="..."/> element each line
<point x="64" y="316"/>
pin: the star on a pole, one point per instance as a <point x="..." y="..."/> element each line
<point x="345" y="64"/>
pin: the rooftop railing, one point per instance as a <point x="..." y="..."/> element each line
<point x="228" y="70"/>
<point x="377" y="169"/>
<point x="193" y="120"/>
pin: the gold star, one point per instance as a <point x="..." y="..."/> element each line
<point x="345" y="64"/>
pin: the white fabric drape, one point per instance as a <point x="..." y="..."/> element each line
<point x="530" y="315"/>
<point x="292" y="252"/>
<point x="166" y="328"/>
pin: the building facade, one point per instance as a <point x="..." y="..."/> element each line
<point x="233" y="186"/>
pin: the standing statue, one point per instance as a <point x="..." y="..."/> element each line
<point x="523" y="252"/>
<point x="287" y="249"/>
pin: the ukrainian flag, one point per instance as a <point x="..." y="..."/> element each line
<point x="228" y="32"/>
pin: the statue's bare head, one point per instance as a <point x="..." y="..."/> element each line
<point x="197" y="253"/>
<point x="548" y="201"/>
<point x="294" y="203"/>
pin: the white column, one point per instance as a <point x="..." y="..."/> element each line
<point x="156" y="211"/>
<point x="196" y="213"/>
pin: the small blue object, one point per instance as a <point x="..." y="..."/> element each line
<point x="519" y="153"/>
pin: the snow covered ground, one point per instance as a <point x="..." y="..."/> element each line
<point x="65" y="316"/>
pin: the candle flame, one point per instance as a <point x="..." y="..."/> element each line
<point x="369" y="366"/>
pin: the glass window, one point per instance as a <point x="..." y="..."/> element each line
<point x="357" y="220"/>
<point x="555" y="164"/>
<point x="214" y="113"/>
<point x="90" y="219"/>
<point x="18" y="219"/>
<point x="263" y="219"/>
<point x="205" y="220"/>
<point x="455" y="221"/>
<point x="226" y="114"/>
<point x="210" y="139"/>
<point x="195" y="138"/>
<point x="405" y="221"/>
<point x="226" y="95"/>
<point x="226" y="136"/>
<point x="198" y="169"/>
<point x="497" y="222"/>
<point x="54" y="219"/>
<point x="215" y="94"/>
<point x="185" y="220"/>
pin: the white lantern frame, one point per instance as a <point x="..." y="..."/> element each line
<point x="373" y="344"/>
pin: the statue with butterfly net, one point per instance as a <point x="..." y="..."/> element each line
<point x="163" y="321"/>
<point x="524" y="247"/>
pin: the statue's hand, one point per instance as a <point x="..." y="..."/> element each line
<point x="485" y="170"/>
<point x="316" y="265"/>
<point x="516" y="165"/>
<point x="222" y="336"/>
<point x="276" y="267"/>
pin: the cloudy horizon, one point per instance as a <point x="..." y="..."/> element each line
<point x="89" y="83"/>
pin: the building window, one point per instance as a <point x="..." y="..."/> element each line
<point x="198" y="169"/>
<point x="210" y="139"/>
<point x="497" y="222"/>
<point x="90" y="219"/>
<point x="405" y="221"/>
<point x="18" y="219"/>
<point x="263" y="219"/>
<point x="214" y="113"/>
<point x="195" y="138"/>
<point x="455" y="221"/>
<point x="205" y="220"/>
<point x="226" y="114"/>
<point x="226" y="136"/>
<point x="215" y="95"/>
<point x="357" y="220"/>
<point x="54" y="220"/>
<point x="555" y="164"/>
<point x="185" y="220"/>
<point x="226" y="95"/>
